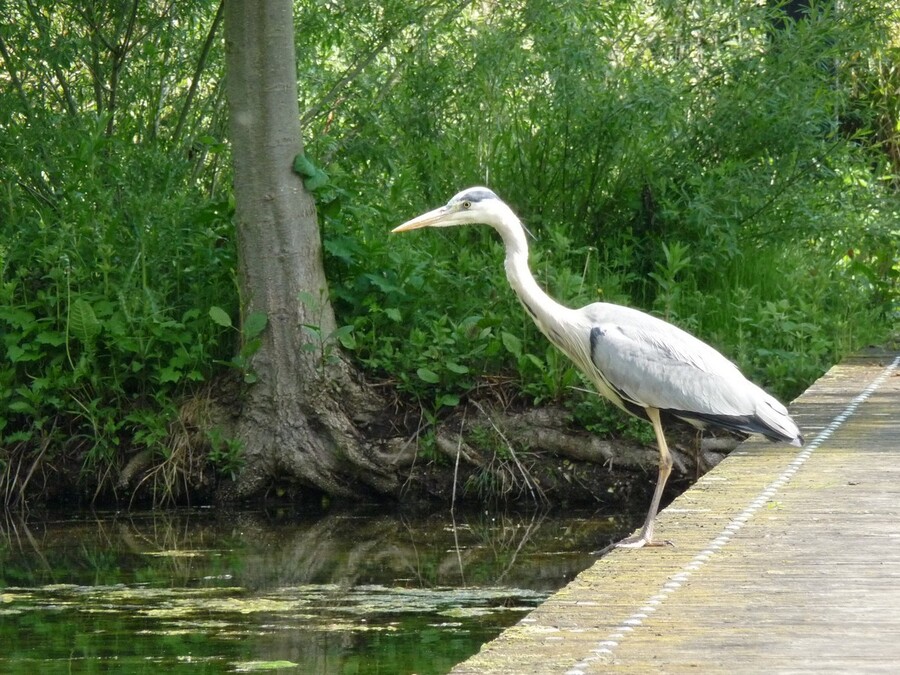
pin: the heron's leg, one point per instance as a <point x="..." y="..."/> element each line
<point x="645" y="536"/>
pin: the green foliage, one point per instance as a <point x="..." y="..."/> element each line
<point x="313" y="177"/>
<point x="251" y="328"/>
<point x="323" y="344"/>
<point x="730" y="170"/>
<point x="714" y="165"/>
<point x="103" y="299"/>
<point x="676" y="260"/>
<point x="112" y="250"/>
<point x="225" y="454"/>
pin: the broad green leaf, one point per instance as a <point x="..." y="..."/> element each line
<point x="21" y="407"/>
<point x="83" y="322"/>
<point x="304" y="167"/>
<point x="348" y="341"/>
<point x="448" y="400"/>
<point x="457" y="368"/>
<point x="250" y="347"/>
<point x="428" y="375"/>
<point x="340" y="332"/>
<point x="220" y="317"/>
<point x="344" y="335"/>
<point x="254" y="324"/>
<point x="19" y="437"/>
<point x="313" y="331"/>
<point x="313" y="176"/>
<point x="315" y="182"/>
<point x="339" y="248"/>
<point x="309" y="300"/>
<point x="50" y="338"/>
<point x="512" y="343"/>
<point x="17" y="317"/>
<point x="535" y="361"/>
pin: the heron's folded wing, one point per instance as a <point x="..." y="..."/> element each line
<point x="653" y="363"/>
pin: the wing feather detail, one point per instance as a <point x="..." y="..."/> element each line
<point x="651" y="363"/>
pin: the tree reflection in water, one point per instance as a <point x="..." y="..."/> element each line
<point x="361" y="590"/>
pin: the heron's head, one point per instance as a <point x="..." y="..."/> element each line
<point x="471" y="206"/>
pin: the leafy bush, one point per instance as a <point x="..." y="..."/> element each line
<point x="106" y="283"/>
<point x="693" y="160"/>
<point x="724" y="167"/>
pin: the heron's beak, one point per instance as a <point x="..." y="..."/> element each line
<point x="425" y="220"/>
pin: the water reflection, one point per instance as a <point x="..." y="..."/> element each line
<point x="341" y="592"/>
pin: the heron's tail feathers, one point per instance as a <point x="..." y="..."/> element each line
<point x="776" y="423"/>
<point x="770" y="418"/>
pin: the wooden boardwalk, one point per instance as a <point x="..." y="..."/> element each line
<point x="785" y="560"/>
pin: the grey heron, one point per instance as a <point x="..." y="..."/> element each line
<point x="644" y="365"/>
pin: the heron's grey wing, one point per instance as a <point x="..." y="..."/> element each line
<point x="652" y="363"/>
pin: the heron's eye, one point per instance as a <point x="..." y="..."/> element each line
<point x="466" y="204"/>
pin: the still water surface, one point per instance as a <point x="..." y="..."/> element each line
<point x="208" y="591"/>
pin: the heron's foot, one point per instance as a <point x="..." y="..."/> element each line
<point x="635" y="541"/>
<point x="640" y="541"/>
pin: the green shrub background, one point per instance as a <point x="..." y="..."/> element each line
<point x="723" y="167"/>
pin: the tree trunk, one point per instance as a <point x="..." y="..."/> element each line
<point x="292" y="423"/>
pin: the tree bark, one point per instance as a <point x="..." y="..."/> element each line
<point x="293" y="423"/>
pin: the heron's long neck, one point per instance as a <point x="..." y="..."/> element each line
<point x="543" y="309"/>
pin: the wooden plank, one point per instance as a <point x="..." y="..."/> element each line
<point x="785" y="560"/>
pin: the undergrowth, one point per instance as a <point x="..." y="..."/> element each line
<point x="107" y="280"/>
<point x="729" y="170"/>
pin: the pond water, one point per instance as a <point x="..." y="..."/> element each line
<point x="206" y="590"/>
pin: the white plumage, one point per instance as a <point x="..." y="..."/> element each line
<point x="646" y="366"/>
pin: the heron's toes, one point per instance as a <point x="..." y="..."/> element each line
<point x="640" y="541"/>
<point x="637" y="541"/>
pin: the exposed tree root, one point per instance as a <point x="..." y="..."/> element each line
<point x="347" y="442"/>
<point x="537" y="455"/>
